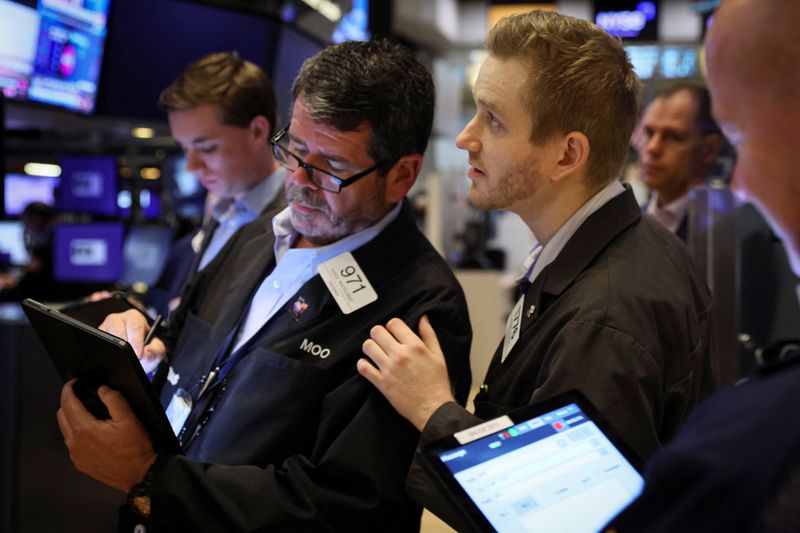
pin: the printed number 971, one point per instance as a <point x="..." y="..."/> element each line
<point x="348" y="271"/>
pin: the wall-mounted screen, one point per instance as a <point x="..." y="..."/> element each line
<point x="12" y="243"/>
<point x="88" y="252"/>
<point x="149" y="203"/>
<point x="51" y="51"/>
<point x="664" y="61"/>
<point x="19" y="32"/>
<point x="21" y="189"/>
<point x="184" y="192"/>
<point x="88" y="185"/>
<point x="145" y="253"/>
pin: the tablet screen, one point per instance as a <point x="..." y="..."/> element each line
<point x="557" y="471"/>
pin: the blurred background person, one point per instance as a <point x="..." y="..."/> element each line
<point x="678" y="142"/>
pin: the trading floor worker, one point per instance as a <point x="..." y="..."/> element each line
<point x="610" y="303"/>
<point x="279" y="429"/>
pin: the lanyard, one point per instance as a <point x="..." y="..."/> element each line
<point x="224" y="362"/>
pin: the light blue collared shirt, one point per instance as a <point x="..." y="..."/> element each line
<point x="295" y="266"/>
<point x="541" y="256"/>
<point x="232" y="215"/>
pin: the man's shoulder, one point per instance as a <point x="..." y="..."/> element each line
<point x="402" y="251"/>
<point x="647" y="255"/>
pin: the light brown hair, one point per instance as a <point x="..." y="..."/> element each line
<point x="241" y="89"/>
<point x="580" y="80"/>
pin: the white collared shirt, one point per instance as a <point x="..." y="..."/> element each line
<point x="295" y="266"/>
<point x="232" y="215"/>
<point x="541" y="256"/>
<point x="669" y="215"/>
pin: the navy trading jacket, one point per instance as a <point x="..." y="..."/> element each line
<point x="734" y="466"/>
<point x="307" y="444"/>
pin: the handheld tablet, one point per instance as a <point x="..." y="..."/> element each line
<point x="552" y="466"/>
<point x="98" y="358"/>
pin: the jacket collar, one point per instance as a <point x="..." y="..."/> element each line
<point x="602" y="227"/>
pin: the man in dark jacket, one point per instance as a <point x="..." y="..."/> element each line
<point x="261" y="378"/>
<point x="735" y="464"/>
<point x="611" y="303"/>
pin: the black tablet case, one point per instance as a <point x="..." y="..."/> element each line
<point x="94" y="356"/>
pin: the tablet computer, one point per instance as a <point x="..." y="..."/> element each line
<point x="97" y="358"/>
<point x="551" y="466"/>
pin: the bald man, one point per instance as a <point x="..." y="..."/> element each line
<point x="735" y="465"/>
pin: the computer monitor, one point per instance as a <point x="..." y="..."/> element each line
<point x="19" y="31"/>
<point x="69" y="53"/>
<point x="184" y="192"/>
<point x="88" y="185"/>
<point x="51" y="51"/>
<point x="149" y="203"/>
<point x="12" y="244"/>
<point x="22" y="189"/>
<point x="144" y="254"/>
<point x="88" y="252"/>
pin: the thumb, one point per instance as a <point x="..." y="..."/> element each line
<point x="115" y="402"/>
<point x="427" y="335"/>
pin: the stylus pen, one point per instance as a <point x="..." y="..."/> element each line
<point x="152" y="332"/>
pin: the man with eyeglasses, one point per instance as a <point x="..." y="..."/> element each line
<point x="279" y="430"/>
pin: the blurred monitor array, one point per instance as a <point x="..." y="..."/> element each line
<point x="51" y="51"/>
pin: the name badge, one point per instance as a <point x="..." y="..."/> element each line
<point x="197" y="241"/>
<point x="347" y="283"/>
<point x="512" y="328"/>
<point x="178" y="410"/>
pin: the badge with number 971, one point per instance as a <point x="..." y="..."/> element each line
<point x="347" y="283"/>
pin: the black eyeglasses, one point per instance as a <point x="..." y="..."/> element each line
<point x="321" y="178"/>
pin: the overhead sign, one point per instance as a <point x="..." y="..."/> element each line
<point x="637" y="20"/>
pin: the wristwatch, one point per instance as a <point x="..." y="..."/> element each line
<point x="139" y="495"/>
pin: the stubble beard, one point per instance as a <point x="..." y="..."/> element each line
<point x="519" y="183"/>
<point x="325" y="227"/>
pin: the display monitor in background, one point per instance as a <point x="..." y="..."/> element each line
<point x="69" y="53"/>
<point x="21" y="189"/>
<point x="19" y="31"/>
<point x="12" y="243"/>
<point x="185" y="193"/>
<point x="88" y="252"/>
<point x="354" y="25"/>
<point x="678" y="61"/>
<point x="144" y="254"/>
<point x="294" y="47"/>
<point x="88" y="185"/>
<point x="51" y="51"/>
<point x="149" y="203"/>
<point x="666" y="61"/>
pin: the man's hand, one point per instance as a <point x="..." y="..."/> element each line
<point x="117" y="451"/>
<point x="132" y="326"/>
<point x="411" y="372"/>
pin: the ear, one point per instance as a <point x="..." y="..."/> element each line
<point x="402" y="176"/>
<point x="259" y="129"/>
<point x="573" y="153"/>
<point x="710" y="147"/>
